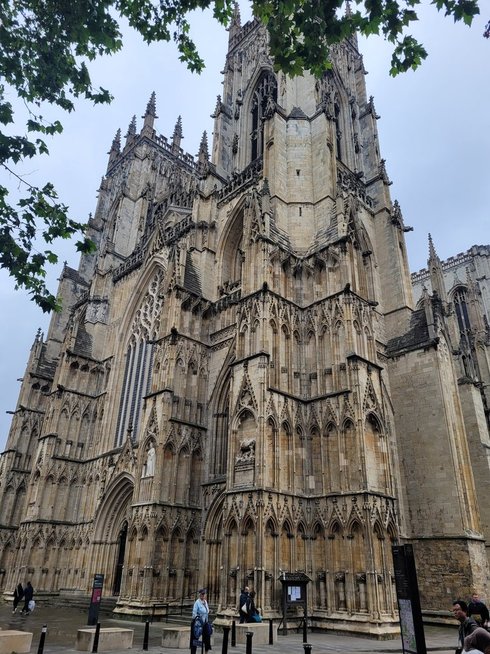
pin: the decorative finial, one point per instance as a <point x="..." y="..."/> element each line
<point x="116" y="142"/>
<point x="151" y="107"/>
<point x="149" y="116"/>
<point x="203" y="156"/>
<point x="131" y="128"/>
<point x="177" y="136"/>
<point x="432" y="250"/>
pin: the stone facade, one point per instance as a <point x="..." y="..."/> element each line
<point x="239" y="383"/>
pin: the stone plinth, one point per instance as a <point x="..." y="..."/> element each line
<point x="15" y="641"/>
<point x="176" y="637"/>
<point x="110" y="638"/>
<point x="260" y="632"/>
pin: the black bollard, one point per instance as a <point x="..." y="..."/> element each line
<point x="95" y="646"/>
<point x="233" y="633"/>
<point x="271" y="632"/>
<point x="305" y="628"/>
<point x="307" y="648"/>
<point x="224" y="646"/>
<point x="145" y="637"/>
<point x="44" y="630"/>
<point x="249" y="635"/>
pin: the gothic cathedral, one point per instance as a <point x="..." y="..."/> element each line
<point x="240" y="384"/>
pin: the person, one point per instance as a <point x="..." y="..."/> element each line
<point x="18" y="595"/>
<point x="28" y="596"/>
<point x="478" y="611"/>
<point x="467" y="625"/>
<point x="243" y="604"/>
<point x="200" y="625"/>
<point x="478" y="640"/>
<point x="253" y="614"/>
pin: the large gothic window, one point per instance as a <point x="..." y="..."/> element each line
<point x="460" y="306"/>
<point x="139" y="360"/>
<point x="265" y="93"/>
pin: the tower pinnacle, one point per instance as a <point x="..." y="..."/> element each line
<point x="115" y="147"/>
<point x="436" y="273"/>
<point x="177" y="136"/>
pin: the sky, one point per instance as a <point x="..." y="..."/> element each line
<point x="434" y="133"/>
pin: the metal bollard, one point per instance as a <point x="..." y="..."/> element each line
<point x="307" y="648"/>
<point x="249" y="635"/>
<point x="42" y="639"/>
<point x="145" y="637"/>
<point x="224" y="646"/>
<point x="271" y="632"/>
<point x="305" y="630"/>
<point x="95" y="646"/>
<point x="233" y="633"/>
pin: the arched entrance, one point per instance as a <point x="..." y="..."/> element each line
<point x="123" y="535"/>
<point x="111" y="532"/>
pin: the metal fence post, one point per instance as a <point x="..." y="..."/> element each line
<point x="248" y="648"/>
<point x="226" y="634"/>
<point x="145" y="637"/>
<point x="95" y="646"/>
<point x="44" y="630"/>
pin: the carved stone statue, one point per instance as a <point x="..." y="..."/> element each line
<point x="149" y="467"/>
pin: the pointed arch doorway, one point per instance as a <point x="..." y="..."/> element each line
<point x="111" y="533"/>
<point x="121" y="550"/>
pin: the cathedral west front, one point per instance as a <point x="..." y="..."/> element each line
<point x="241" y="383"/>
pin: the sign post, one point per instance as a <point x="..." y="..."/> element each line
<point x="294" y="597"/>
<point x="407" y="592"/>
<point x="93" y="611"/>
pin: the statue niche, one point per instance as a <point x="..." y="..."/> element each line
<point x="246" y="434"/>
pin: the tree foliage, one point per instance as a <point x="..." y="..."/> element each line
<point x="45" y="49"/>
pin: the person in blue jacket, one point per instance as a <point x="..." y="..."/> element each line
<point x="200" y="625"/>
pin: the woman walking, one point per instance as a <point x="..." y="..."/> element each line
<point x="200" y="625"/>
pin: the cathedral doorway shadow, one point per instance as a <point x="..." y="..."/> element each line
<point x="123" y="535"/>
<point x="111" y="532"/>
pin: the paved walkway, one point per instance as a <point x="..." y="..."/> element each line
<point x="63" y="624"/>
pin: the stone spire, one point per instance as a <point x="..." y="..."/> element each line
<point x="435" y="271"/>
<point x="177" y="135"/>
<point x="203" y="155"/>
<point x="115" y="150"/>
<point x="150" y="115"/>
<point x="131" y="133"/>
<point x="235" y="23"/>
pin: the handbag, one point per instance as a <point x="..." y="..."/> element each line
<point x="208" y="628"/>
<point x="244" y="608"/>
<point x="32" y="605"/>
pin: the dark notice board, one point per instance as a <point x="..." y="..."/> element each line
<point x="407" y="592"/>
<point x="93" y="611"/>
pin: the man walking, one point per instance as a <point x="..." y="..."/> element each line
<point x="467" y="625"/>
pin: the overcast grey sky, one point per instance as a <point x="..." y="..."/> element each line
<point x="434" y="134"/>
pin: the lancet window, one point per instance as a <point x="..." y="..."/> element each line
<point x="461" y="309"/>
<point x="139" y="361"/>
<point x="264" y="95"/>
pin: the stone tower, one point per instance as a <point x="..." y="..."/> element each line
<point x="239" y="385"/>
